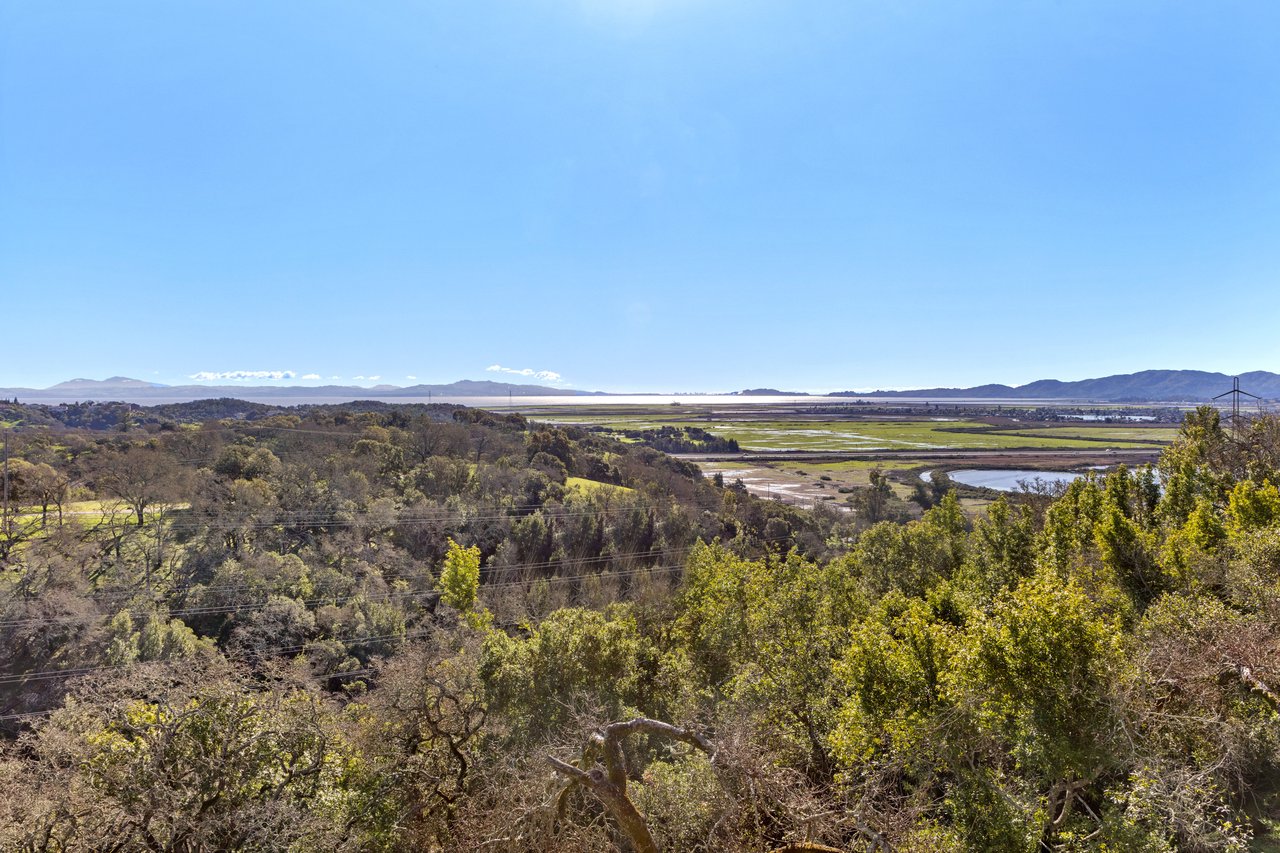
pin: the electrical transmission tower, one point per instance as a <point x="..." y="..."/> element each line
<point x="1237" y="423"/>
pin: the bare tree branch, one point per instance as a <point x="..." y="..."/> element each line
<point x="609" y="784"/>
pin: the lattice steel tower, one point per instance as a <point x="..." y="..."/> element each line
<point x="1236" y="393"/>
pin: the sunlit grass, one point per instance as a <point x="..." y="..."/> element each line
<point x="846" y="436"/>
<point x="582" y="485"/>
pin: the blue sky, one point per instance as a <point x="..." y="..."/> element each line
<point x="654" y="195"/>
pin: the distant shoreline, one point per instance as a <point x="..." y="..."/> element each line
<point x="595" y="399"/>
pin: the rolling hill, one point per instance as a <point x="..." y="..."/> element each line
<point x="1144" y="386"/>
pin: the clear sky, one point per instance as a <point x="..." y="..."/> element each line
<point x="638" y="194"/>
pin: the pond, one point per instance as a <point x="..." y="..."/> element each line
<point x="1110" y="417"/>
<point x="1005" y="480"/>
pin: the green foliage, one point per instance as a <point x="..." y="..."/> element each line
<point x="1001" y="551"/>
<point x="166" y="640"/>
<point x="1042" y="669"/>
<point x="1191" y="555"/>
<point x="893" y="671"/>
<point x="682" y="799"/>
<point x="1253" y="505"/>
<point x="1067" y="539"/>
<point x="1199" y="464"/>
<point x="1092" y="672"/>
<point x="203" y="764"/>
<point x="1205" y="714"/>
<point x="122" y="645"/>
<point x="913" y="558"/>
<point x="574" y="661"/>
<point x="1125" y="551"/>
<point x="245" y="462"/>
<point x="459" y="582"/>
<point x="988" y="816"/>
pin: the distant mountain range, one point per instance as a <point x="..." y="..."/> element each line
<point x="115" y="383"/>
<point x="128" y="390"/>
<point x="1145" y="386"/>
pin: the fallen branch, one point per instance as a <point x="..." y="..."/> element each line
<point x="1257" y="685"/>
<point x="609" y="784"/>
<point x="615" y="800"/>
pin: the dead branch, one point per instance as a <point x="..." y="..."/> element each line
<point x="615" y="800"/>
<point x="1257" y="685"/>
<point x="609" y="784"/>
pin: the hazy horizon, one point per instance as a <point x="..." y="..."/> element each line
<point x="76" y="387"/>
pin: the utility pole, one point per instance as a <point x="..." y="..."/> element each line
<point x="4" y="524"/>
<point x="159" y="548"/>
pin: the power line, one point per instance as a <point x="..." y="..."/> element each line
<point x="265" y="652"/>
<point x="13" y="678"/>
<point x="45" y="675"/>
<point x="109" y="598"/>
<point x="371" y="597"/>
<point x="340" y="519"/>
<point x="216" y="609"/>
<point x="4" y="516"/>
<point x="28" y="715"/>
<point x="186" y="519"/>
<point x="329" y="519"/>
<point x="567" y="561"/>
<point x="638" y="570"/>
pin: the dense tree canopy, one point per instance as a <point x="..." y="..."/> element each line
<point x="439" y="628"/>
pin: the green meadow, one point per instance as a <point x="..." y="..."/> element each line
<point x="1124" y="433"/>
<point x="860" y="435"/>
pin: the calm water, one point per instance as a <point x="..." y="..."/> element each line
<point x="1007" y="480"/>
<point x="1109" y="417"/>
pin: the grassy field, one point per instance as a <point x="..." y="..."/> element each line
<point x="851" y="435"/>
<point x="89" y="511"/>
<point x="27" y="520"/>
<point x="584" y="486"/>
<point x="809" y="482"/>
<point x="1124" y="433"/>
